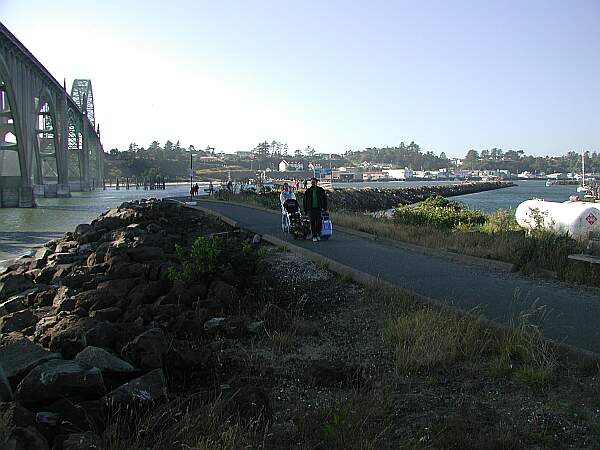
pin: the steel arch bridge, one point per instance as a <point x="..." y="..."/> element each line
<point x="49" y="141"/>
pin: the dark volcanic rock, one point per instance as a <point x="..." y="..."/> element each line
<point x="11" y="284"/>
<point x="146" y="253"/>
<point x="69" y="335"/>
<point x="147" y="350"/>
<point x="109" y="314"/>
<point x="106" y="362"/>
<point x="59" y="379"/>
<point x="224" y="293"/>
<point x="144" y="391"/>
<point x="17" y="321"/>
<point x="28" y="438"/>
<point x="15" y="415"/>
<point x="146" y="293"/>
<point x="11" y="305"/>
<point x="21" y="355"/>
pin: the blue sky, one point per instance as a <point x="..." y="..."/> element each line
<point x="450" y="75"/>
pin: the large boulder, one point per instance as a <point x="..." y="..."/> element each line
<point x="145" y="293"/>
<point x="114" y="218"/>
<point x="21" y="355"/>
<point x="118" y="268"/>
<point x="146" y="253"/>
<point x="103" y="360"/>
<point x="118" y="287"/>
<point x="224" y="293"/>
<point x="82" y="441"/>
<point x="11" y="284"/>
<point x="28" y="438"/>
<point x="95" y="299"/>
<point x="17" y="321"/>
<point x="83" y="228"/>
<point x="69" y="335"/>
<point x="64" y="300"/>
<point x="109" y="314"/>
<point x="146" y="390"/>
<point x="147" y="350"/>
<point x="13" y="304"/>
<point x="60" y="379"/>
<point x="16" y="415"/>
<point x="102" y="334"/>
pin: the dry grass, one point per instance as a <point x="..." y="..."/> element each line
<point x="424" y="337"/>
<point x="282" y="342"/>
<point x="428" y="338"/>
<point x="357" y="421"/>
<point x="183" y="424"/>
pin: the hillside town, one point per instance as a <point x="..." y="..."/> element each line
<point x="404" y="162"/>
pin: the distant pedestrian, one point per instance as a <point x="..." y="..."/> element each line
<point x="196" y="189"/>
<point x="305" y="183"/>
<point x="191" y="191"/>
<point x="229" y="186"/>
<point x="315" y="202"/>
<point x="211" y="188"/>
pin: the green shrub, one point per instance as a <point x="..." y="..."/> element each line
<point x="440" y="212"/>
<point x="208" y="256"/>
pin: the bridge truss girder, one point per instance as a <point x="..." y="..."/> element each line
<point x="38" y="117"/>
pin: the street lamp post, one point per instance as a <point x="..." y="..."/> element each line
<point x="191" y="175"/>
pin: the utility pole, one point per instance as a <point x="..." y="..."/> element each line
<point x="191" y="174"/>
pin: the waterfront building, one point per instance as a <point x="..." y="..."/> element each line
<point x="290" y="166"/>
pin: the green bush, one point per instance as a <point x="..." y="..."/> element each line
<point x="209" y="256"/>
<point x="439" y="212"/>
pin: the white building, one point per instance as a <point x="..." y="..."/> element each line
<point x="291" y="166"/>
<point x="400" y="174"/>
<point x="375" y="176"/>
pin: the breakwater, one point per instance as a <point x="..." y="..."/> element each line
<point x="103" y="320"/>
<point x="375" y="199"/>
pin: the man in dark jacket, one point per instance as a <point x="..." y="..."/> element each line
<point x="315" y="202"/>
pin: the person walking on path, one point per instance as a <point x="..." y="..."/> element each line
<point x="211" y="188"/>
<point x="315" y="202"/>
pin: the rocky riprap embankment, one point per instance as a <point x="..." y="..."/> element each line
<point x="92" y="323"/>
<point x="376" y="199"/>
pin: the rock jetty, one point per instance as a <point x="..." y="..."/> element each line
<point x="376" y="199"/>
<point x="93" y="323"/>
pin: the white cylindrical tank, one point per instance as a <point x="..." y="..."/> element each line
<point x="579" y="219"/>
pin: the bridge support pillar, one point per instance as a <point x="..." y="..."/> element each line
<point x="26" y="197"/>
<point x="17" y="197"/>
<point x="63" y="190"/>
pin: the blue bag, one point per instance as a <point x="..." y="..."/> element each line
<point x="326" y="227"/>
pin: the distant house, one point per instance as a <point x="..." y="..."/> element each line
<point x="374" y="176"/>
<point x="290" y="166"/>
<point x="400" y="174"/>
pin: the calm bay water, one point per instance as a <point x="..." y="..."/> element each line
<point x="23" y="228"/>
<point x="488" y="201"/>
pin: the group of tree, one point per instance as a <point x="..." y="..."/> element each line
<point x="269" y="153"/>
<point x="516" y="161"/>
<point x="403" y="155"/>
<point x="154" y="151"/>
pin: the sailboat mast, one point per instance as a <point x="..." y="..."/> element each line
<point x="582" y="167"/>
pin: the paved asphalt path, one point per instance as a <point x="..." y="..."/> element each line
<point x="572" y="313"/>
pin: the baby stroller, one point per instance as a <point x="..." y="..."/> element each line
<point x="292" y="220"/>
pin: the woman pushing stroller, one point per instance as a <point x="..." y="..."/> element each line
<point x="286" y="194"/>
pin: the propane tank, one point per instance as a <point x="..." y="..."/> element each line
<point x="579" y="219"/>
